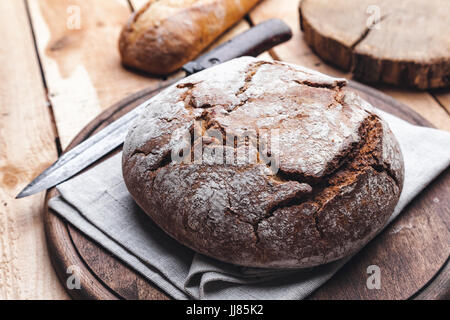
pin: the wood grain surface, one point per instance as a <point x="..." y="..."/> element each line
<point x="77" y="44"/>
<point x="443" y="98"/>
<point x="410" y="252"/>
<point x="26" y="147"/>
<point x="81" y="69"/>
<point x="137" y="4"/>
<point x="404" y="42"/>
<point x="297" y="51"/>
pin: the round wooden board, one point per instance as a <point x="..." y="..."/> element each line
<point x="412" y="252"/>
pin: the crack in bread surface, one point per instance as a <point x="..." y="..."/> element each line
<point x="351" y="162"/>
<point x="355" y="160"/>
<point x="343" y="170"/>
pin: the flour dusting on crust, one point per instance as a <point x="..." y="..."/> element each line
<point x="340" y="169"/>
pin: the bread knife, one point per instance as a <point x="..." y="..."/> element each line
<point x="252" y="42"/>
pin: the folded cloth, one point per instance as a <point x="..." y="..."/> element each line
<point x="98" y="203"/>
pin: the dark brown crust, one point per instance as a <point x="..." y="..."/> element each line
<point x="302" y="216"/>
<point x="176" y="35"/>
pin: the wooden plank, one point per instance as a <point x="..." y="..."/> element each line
<point x="77" y="44"/>
<point x="26" y="148"/>
<point x="240" y="27"/>
<point x="237" y="29"/>
<point x="443" y="97"/>
<point x="297" y="51"/>
<point x="424" y="104"/>
<point x="137" y="4"/>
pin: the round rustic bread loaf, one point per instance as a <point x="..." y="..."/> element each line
<point x="309" y="175"/>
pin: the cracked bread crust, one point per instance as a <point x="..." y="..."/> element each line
<point x="340" y="167"/>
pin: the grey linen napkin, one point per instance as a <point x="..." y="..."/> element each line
<point x="98" y="203"/>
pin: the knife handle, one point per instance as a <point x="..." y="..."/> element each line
<point x="252" y="42"/>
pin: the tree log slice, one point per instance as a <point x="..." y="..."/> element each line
<point x="403" y="42"/>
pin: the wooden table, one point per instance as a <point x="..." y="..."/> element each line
<point x="60" y="68"/>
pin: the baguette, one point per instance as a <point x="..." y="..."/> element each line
<point x="165" y="34"/>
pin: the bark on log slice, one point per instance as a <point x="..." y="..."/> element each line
<point x="401" y="42"/>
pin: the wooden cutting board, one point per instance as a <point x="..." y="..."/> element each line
<point x="401" y="42"/>
<point x="412" y="253"/>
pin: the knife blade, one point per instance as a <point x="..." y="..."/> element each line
<point x="252" y="42"/>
